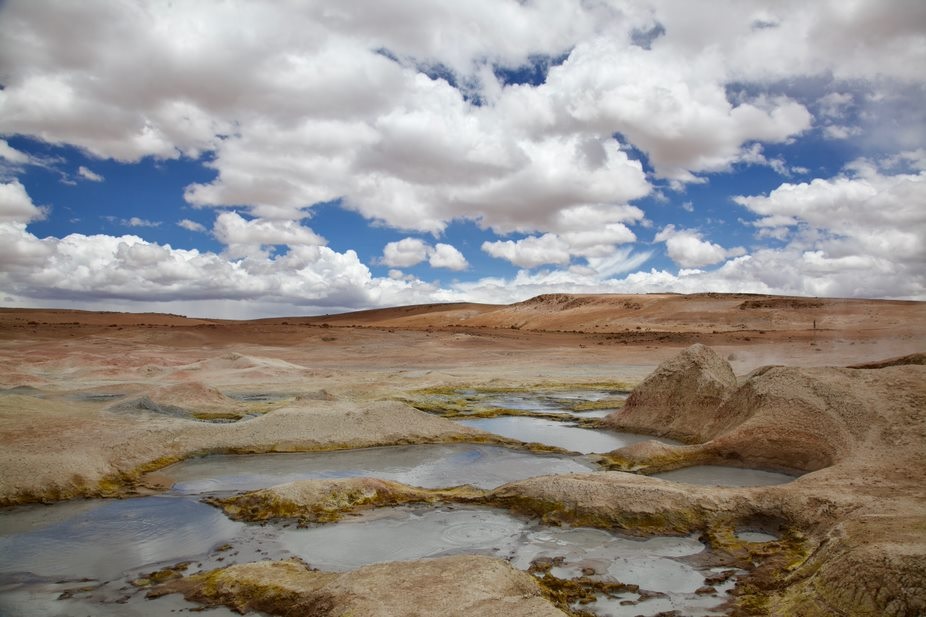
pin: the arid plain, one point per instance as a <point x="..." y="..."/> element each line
<point x="95" y="405"/>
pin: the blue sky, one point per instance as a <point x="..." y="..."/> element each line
<point x="243" y="159"/>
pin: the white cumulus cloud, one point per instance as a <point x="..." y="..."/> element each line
<point x="408" y="114"/>
<point x="863" y="213"/>
<point x="139" y="222"/>
<point x="16" y="206"/>
<point x="531" y="251"/>
<point x="405" y="253"/>
<point x="412" y="251"/>
<point x="11" y="154"/>
<point x="686" y="248"/>
<point x="447" y="256"/>
<point x="257" y="237"/>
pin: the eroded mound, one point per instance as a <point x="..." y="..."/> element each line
<point x="449" y="586"/>
<point x="860" y="431"/>
<point x="679" y="399"/>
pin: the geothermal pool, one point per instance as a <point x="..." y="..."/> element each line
<point x="89" y="551"/>
<point x="79" y="557"/>
<point x="98" y="548"/>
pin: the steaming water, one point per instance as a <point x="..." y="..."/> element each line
<point x="554" y="433"/>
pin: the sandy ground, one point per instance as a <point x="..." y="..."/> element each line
<point x="91" y="401"/>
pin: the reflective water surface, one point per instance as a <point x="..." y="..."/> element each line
<point x="427" y="466"/>
<point x="716" y="475"/>
<point x="109" y="537"/>
<point x="554" y="433"/>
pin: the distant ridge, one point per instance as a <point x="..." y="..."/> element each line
<point x="588" y="313"/>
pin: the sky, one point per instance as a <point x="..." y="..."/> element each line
<point x="241" y="159"/>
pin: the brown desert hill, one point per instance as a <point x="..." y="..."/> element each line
<point x="707" y="313"/>
<point x="32" y="317"/>
<point x="602" y="313"/>
<point x="412" y="316"/>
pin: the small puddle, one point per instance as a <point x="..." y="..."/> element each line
<point x="99" y="397"/>
<point x="755" y="536"/>
<point x="258" y="397"/>
<point x="554" y="433"/>
<point x="716" y="475"/>
<point x="44" y="600"/>
<point x="427" y="466"/>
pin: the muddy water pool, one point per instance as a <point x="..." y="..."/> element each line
<point x="716" y="475"/>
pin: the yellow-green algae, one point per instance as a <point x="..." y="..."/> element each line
<point x="774" y="566"/>
<point x="294" y="592"/>
<point x="464" y="400"/>
<point x="163" y="575"/>
<point x="564" y="593"/>
<point x="673" y="457"/>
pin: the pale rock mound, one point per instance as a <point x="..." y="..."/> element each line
<point x="859" y="431"/>
<point x="470" y="585"/>
<point x="679" y="399"/>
